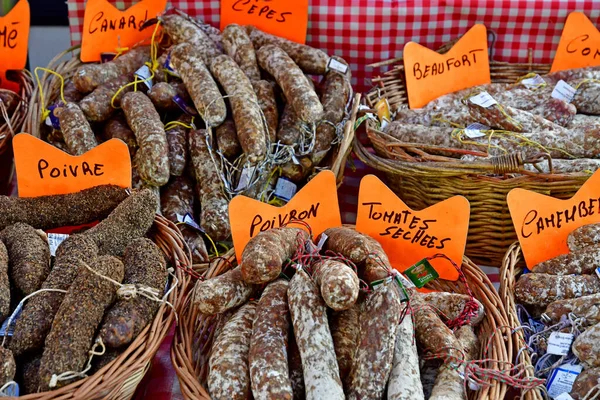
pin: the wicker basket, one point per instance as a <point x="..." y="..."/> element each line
<point x="10" y="127"/>
<point x="509" y="272"/>
<point x="484" y="184"/>
<point x="193" y="338"/>
<point x="120" y="378"/>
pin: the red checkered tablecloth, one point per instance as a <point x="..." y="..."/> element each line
<point x="367" y="31"/>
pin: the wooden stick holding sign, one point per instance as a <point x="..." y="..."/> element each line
<point x="316" y="204"/>
<point x="106" y="29"/>
<point x="14" y="39"/>
<point x="42" y="169"/>
<point x="409" y="236"/>
<point x="579" y="44"/>
<point x="543" y="223"/>
<point x="430" y="75"/>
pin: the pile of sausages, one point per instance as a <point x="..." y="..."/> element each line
<point x="568" y="286"/>
<point x="58" y="307"/>
<point x="528" y="116"/>
<point x="294" y="321"/>
<point x="253" y="106"/>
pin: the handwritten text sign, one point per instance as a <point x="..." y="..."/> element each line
<point x="106" y="29"/>
<point x="543" y="223"/>
<point x="14" y="38"/>
<point x="430" y="75"/>
<point x="408" y="236"/>
<point x="579" y="44"/>
<point x="42" y="169"/>
<point x="316" y="204"/>
<point x="288" y="19"/>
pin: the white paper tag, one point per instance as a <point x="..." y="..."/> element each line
<point x="562" y="378"/>
<point x="560" y="343"/>
<point x="285" y="189"/>
<point x="245" y="178"/>
<point x="12" y="390"/>
<point x="322" y="241"/>
<point x="483" y="99"/>
<point x="563" y="91"/>
<point x="563" y="396"/>
<point x="598" y="272"/>
<point x="474" y="130"/>
<point x="533" y="82"/>
<point x="337" y="66"/>
<point x="14" y="316"/>
<point x="54" y="240"/>
<point x="188" y="219"/>
<point x="145" y="75"/>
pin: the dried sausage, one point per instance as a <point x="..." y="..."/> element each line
<point x="4" y="283"/>
<point x="178" y="147"/>
<point x="99" y="105"/>
<point x="245" y="108"/>
<point x="587" y="307"/>
<point x="117" y="128"/>
<point x="214" y="217"/>
<point x="28" y="255"/>
<point x="583" y="237"/>
<point x="375" y="351"/>
<point x="152" y="157"/>
<point x="89" y="76"/>
<point x="181" y="30"/>
<point x="451" y="305"/>
<point x="587" y="346"/>
<point x="265" y="94"/>
<point x="311" y="329"/>
<point x="405" y="378"/>
<point x="543" y="289"/>
<point x="584" y="261"/>
<point x="238" y="46"/>
<point x="264" y="255"/>
<point x="77" y="132"/>
<point x="67" y="346"/>
<point x="200" y="84"/>
<point x="345" y="329"/>
<point x="227" y="139"/>
<point x="311" y="60"/>
<point x="222" y="293"/>
<point x="229" y="376"/>
<point x="268" y="357"/>
<point x="338" y="283"/>
<point x="293" y="83"/>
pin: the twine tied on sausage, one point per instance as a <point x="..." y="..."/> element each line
<point x="131" y="291"/>
<point x="12" y="317"/>
<point x="69" y="375"/>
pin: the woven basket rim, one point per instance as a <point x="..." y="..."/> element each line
<point x="193" y="323"/>
<point x="120" y="378"/>
<point x="13" y="127"/>
<point x="509" y="271"/>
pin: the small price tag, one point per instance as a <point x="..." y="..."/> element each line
<point x="189" y="220"/>
<point x="337" y="66"/>
<point x="10" y="390"/>
<point x="474" y="130"/>
<point x="245" y="178"/>
<point x="54" y="240"/>
<point x="483" y="99"/>
<point x="322" y="241"/>
<point x="285" y="189"/>
<point x="145" y="75"/>
<point x="560" y="343"/>
<point x="534" y="82"/>
<point x="52" y="120"/>
<point x="563" y="91"/>
<point x="563" y="396"/>
<point x="562" y="378"/>
<point x="578" y="44"/>
<point x="421" y="273"/>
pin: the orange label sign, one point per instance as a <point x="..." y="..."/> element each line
<point x="106" y="29"/>
<point x="408" y="236"/>
<point x="543" y="223"/>
<point x="316" y="204"/>
<point x="42" y="169"/>
<point x="288" y="19"/>
<point x="14" y="38"/>
<point x="579" y="44"/>
<point x="430" y="75"/>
